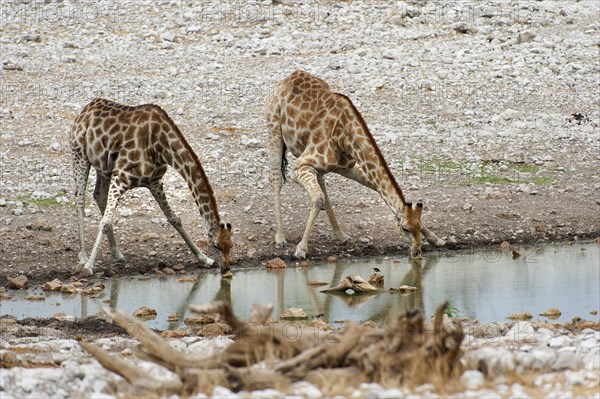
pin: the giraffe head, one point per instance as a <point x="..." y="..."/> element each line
<point x="410" y="227"/>
<point x="222" y="246"/>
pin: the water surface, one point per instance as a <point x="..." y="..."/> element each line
<point x="487" y="285"/>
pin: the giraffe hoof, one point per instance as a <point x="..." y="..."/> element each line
<point x="83" y="259"/>
<point x="281" y="244"/>
<point x="345" y="239"/>
<point x="440" y="242"/>
<point x="119" y="257"/>
<point x="320" y="204"/>
<point x="300" y="253"/>
<point x="208" y="262"/>
<point x="86" y="271"/>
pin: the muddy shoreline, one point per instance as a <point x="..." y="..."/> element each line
<point x="59" y="260"/>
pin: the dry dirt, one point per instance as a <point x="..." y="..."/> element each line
<point x="491" y="117"/>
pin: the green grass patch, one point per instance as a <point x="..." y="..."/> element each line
<point x="527" y="167"/>
<point x="437" y="165"/>
<point x="543" y="180"/>
<point x="495" y="171"/>
<point x="494" y="179"/>
<point x="41" y="202"/>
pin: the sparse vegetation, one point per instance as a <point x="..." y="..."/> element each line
<point x="451" y="311"/>
<point x="490" y="171"/>
<point x="41" y="202"/>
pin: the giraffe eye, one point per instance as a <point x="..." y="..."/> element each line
<point x="405" y="229"/>
<point x="217" y="246"/>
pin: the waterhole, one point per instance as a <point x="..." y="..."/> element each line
<point x="486" y="285"/>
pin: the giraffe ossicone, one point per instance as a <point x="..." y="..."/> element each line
<point x="326" y="133"/>
<point x="132" y="146"/>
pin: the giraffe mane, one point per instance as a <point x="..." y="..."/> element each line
<point x="375" y="147"/>
<point x="188" y="147"/>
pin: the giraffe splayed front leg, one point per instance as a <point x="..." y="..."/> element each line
<point x="101" y="198"/>
<point x="431" y="237"/>
<point x="308" y="178"/>
<point x="158" y="193"/>
<point x="115" y="190"/>
<point x="339" y="234"/>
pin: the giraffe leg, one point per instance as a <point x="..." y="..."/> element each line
<point x="431" y="237"/>
<point x="357" y="174"/>
<point x="159" y="195"/>
<point x="115" y="191"/>
<point x="307" y="177"/>
<point x="337" y="230"/>
<point x="276" y="155"/>
<point x="101" y="196"/>
<point x="81" y="170"/>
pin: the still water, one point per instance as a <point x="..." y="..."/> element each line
<point x="487" y="285"/>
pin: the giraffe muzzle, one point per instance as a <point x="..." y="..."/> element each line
<point x="416" y="253"/>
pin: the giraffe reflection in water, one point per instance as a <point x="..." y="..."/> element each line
<point x="283" y="288"/>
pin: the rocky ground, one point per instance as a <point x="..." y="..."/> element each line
<point x="517" y="360"/>
<point x="487" y="111"/>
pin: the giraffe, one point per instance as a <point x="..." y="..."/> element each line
<point x="326" y="133"/>
<point x="132" y="147"/>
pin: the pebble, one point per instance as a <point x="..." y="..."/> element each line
<point x="222" y="392"/>
<point x="18" y="283"/>
<point x="306" y="390"/>
<point x="168" y="36"/>
<point x="521" y="331"/>
<point x="266" y="394"/>
<point x="560" y="341"/>
<point x="472" y="379"/>
<point x="565" y="361"/>
<point x="250" y="142"/>
<point x="293" y="313"/>
<point x="276" y="263"/>
<point x="145" y="312"/>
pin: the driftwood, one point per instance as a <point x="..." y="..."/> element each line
<point x="358" y="284"/>
<point x="409" y="350"/>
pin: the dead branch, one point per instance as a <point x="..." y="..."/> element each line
<point x="154" y="344"/>
<point x="409" y="349"/>
<point x="251" y="379"/>
<point x="324" y="355"/>
<point x="133" y="374"/>
<point x="224" y="309"/>
<point x="355" y="283"/>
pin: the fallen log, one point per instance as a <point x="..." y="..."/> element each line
<point x="409" y="350"/>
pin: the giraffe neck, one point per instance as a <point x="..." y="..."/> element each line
<point x="382" y="178"/>
<point x="182" y="157"/>
<point x="369" y="158"/>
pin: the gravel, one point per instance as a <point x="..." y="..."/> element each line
<point x="490" y="364"/>
<point x="497" y="125"/>
<point x="486" y="110"/>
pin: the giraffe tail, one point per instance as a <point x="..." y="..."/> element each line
<point x="284" y="162"/>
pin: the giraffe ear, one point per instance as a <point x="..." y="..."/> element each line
<point x="228" y="226"/>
